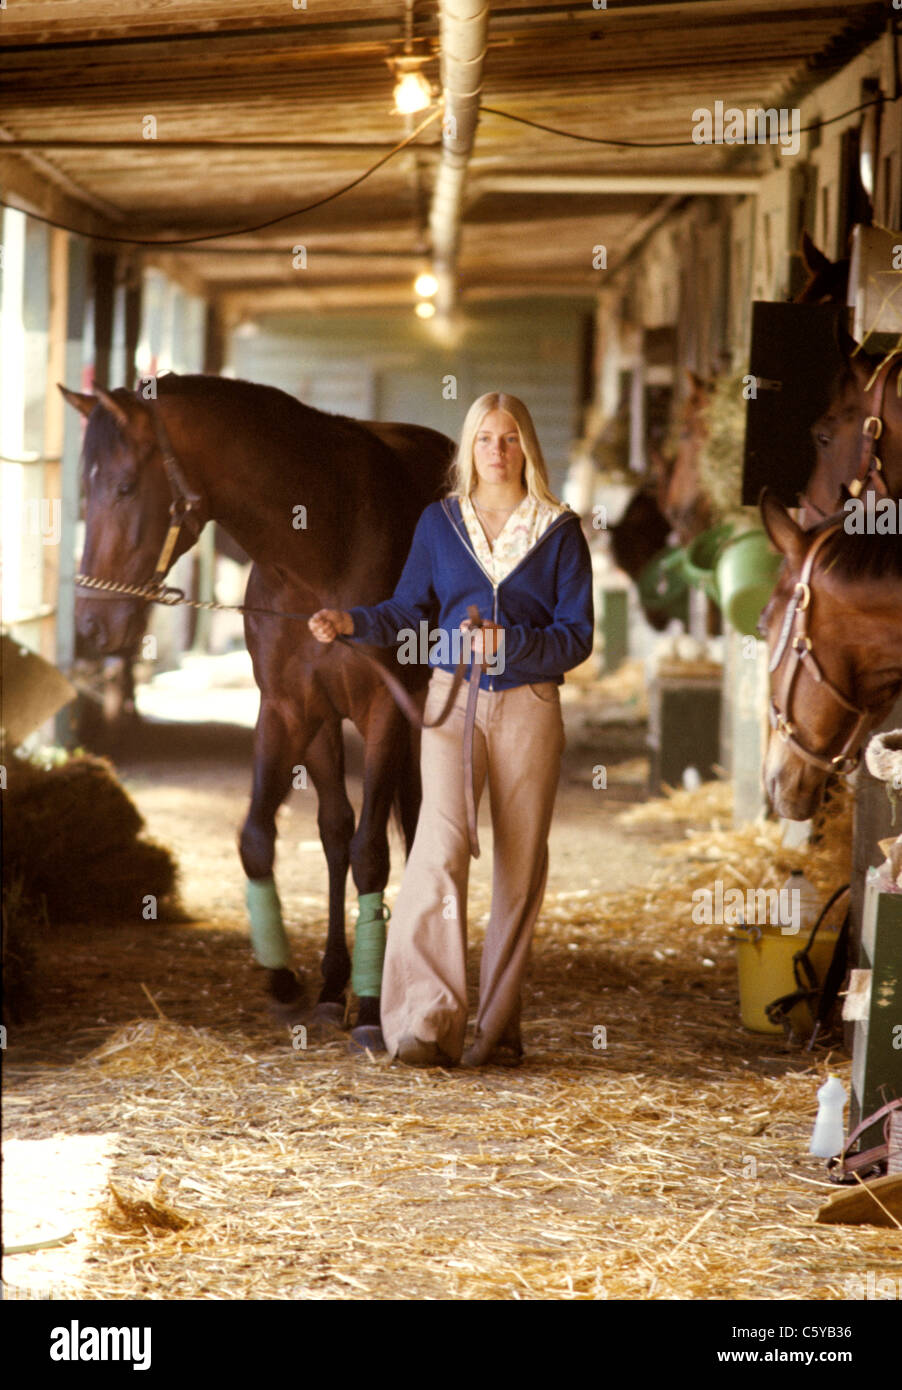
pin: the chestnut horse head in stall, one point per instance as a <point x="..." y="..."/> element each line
<point x="835" y="640"/>
<point x="326" y="507"/>
<point x="683" y="501"/>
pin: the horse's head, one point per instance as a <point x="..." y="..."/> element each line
<point x="827" y="280"/>
<point x="684" y="503"/>
<point x="837" y="442"/>
<point x="829" y="627"/>
<point x="126" y="510"/>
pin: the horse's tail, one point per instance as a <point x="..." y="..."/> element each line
<point x="408" y="788"/>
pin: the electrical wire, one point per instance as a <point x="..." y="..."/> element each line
<point x="236" y="231"/>
<point x="668" y="144"/>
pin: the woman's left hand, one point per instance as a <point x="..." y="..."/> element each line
<point x="487" y="640"/>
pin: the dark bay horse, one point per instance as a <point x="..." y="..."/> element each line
<point x="862" y="390"/>
<point x="828" y="281"/>
<point x="325" y="506"/>
<point x="853" y="397"/>
<point x="834" y="632"/>
<point x="672" y="501"/>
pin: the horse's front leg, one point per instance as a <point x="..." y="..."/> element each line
<point x="281" y="736"/>
<point x="384" y="733"/>
<point x="335" y="818"/>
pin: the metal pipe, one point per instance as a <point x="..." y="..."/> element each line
<point x="464" y="27"/>
<point x="619" y="183"/>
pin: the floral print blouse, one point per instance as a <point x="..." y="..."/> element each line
<point x="519" y="534"/>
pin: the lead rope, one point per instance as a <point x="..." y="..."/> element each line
<point x="174" y="598"/>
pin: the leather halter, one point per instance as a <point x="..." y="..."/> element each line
<point x="186" y="508"/>
<point x="870" y="467"/>
<point x="795" y="626"/>
<point x="185" y="505"/>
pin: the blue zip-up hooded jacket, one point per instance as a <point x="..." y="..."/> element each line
<point x="544" y="604"/>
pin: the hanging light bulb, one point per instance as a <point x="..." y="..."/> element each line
<point x="425" y="284"/>
<point x="412" y="89"/>
<point x="424" y="310"/>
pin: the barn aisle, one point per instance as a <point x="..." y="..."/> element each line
<point x="669" y="1162"/>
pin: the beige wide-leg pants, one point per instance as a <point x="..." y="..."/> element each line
<point x="517" y="746"/>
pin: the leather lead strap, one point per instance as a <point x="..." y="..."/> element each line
<point x="868" y="465"/>
<point x="469" y="727"/>
<point x="408" y="707"/>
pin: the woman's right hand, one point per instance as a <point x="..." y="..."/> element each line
<point x="329" y="622"/>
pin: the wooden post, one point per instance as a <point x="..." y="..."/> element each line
<point x="873" y="821"/>
<point x="745" y="672"/>
<point x="76" y="295"/>
<point x="877" y="1043"/>
<point x="53" y="429"/>
<point x="104" y="276"/>
<point x="133" y="302"/>
<point x="614" y="627"/>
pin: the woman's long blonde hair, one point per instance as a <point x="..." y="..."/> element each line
<point x="463" y="477"/>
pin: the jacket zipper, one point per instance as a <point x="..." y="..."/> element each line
<point x="496" y="586"/>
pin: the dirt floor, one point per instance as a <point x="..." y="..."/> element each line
<point x="185" y="1144"/>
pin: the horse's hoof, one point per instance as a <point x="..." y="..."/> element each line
<point x="366" y="1037"/>
<point x="286" y="996"/>
<point x="328" y="1014"/>
<point x="285" y="987"/>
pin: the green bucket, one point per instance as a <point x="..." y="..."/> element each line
<point x="662" y="584"/>
<point x="744" y="572"/>
<point x="701" y="557"/>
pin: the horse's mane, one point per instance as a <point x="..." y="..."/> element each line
<point x="104" y="432"/>
<point x="173" y="384"/>
<point x="860" y="557"/>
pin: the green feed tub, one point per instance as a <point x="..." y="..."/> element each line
<point x="662" y="584"/>
<point x="745" y="572"/>
<point x="701" y="557"/>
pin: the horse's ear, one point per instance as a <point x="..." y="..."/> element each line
<point x="115" y="408"/>
<point x="785" y="534"/>
<point x="82" y="403"/>
<point x="814" y="259"/>
<point x="698" y="385"/>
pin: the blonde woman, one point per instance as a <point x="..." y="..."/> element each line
<point x="502" y="541"/>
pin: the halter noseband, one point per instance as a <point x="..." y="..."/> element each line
<point x="795" y="627"/>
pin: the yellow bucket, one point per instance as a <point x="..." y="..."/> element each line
<point x="764" y="958"/>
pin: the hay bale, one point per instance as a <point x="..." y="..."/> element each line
<point x="720" y="461"/>
<point x="72" y="851"/>
<point x="72" y="837"/>
<point x="19" y="952"/>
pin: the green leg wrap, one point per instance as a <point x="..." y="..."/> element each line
<point x="369" y="945"/>
<point x="267" y="932"/>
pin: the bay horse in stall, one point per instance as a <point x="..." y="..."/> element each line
<point x="834" y="634"/>
<point x="326" y="507"/>
<point x="672" y="502"/>
<point x="858" y="439"/>
<point x="865" y="390"/>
